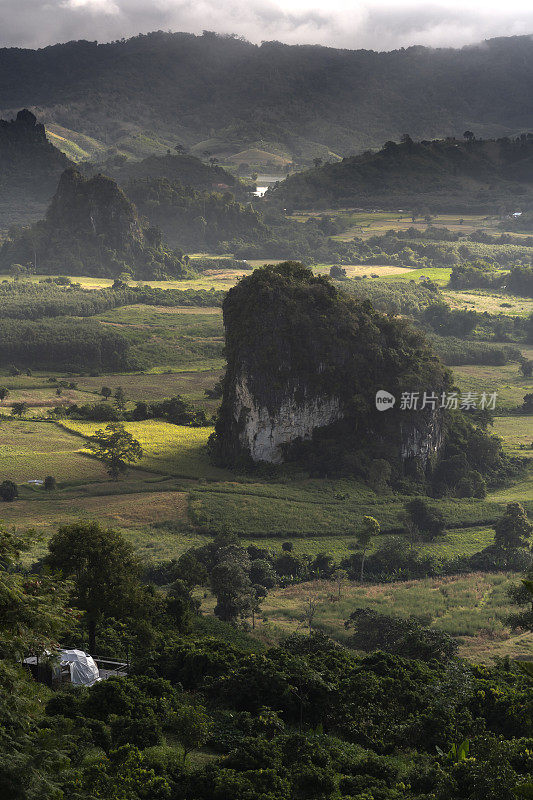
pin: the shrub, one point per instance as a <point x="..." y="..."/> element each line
<point x="404" y="637"/>
<point x="140" y="732"/>
<point x="8" y="491"/>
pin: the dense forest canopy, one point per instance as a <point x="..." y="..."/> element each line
<point x="227" y="93"/>
<point x="195" y="219"/>
<point x="454" y="175"/>
<point x="182" y="168"/>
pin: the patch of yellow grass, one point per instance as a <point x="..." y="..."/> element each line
<point x="168" y="449"/>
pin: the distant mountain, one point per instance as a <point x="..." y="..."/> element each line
<point x="29" y="169"/>
<point x="185" y="169"/>
<point x="449" y="175"/>
<point x="90" y="228"/>
<point x="225" y="95"/>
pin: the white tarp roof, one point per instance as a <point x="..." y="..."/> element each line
<point x="83" y="670"/>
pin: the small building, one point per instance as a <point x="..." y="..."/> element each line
<point x="67" y="666"/>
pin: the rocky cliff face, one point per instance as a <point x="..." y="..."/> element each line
<point x="264" y="432"/>
<point x="304" y="365"/>
<point x="421" y="437"/>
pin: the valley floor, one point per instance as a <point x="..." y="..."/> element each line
<point x="175" y="498"/>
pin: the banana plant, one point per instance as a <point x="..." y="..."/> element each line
<point x="457" y="752"/>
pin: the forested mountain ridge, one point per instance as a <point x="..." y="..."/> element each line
<point x="444" y="175"/>
<point x="223" y="93"/>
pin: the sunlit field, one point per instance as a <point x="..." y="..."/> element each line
<point x="492" y="302"/>
<point x="168" y="449"/>
<point x="32" y="450"/>
<point x="506" y="380"/>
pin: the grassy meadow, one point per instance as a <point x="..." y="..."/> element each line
<point x="171" y="337"/>
<point x="491" y="302"/>
<point x="375" y="223"/>
<point x="471" y="607"/>
<point x="152" y="386"/>
<point x="31" y="450"/>
<point x="506" y="380"/>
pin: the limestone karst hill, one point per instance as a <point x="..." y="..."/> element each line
<point x="91" y="228"/>
<point x="29" y="169"/>
<point x="304" y="364"/>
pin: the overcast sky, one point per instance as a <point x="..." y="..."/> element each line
<point x="376" y="24"/>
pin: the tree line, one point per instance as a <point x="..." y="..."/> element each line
<point x="301" y="719"/>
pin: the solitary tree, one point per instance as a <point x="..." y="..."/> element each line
<point x="180" y="605"/>
<point x="232" y="587"/>
<point x="17" y="271"/>
<point x="18" y="409"/>
<point x="340" y="576"/>
<point x="514" y="528"/>
<point x="4" y="392"/>
<point x="527" y="405"/>
<point x="522" y="595"/>
<point x="103" y="569"/>
<point x="191" y="726"/>
<point x="120" y="399"/>
<point x="191" y="570"/>
<point x="50" y="483"/>
<point x="116" y="448"/>
<point x="369" y="528"/>
<point x="424" y="519"/>
<point x="258" y="594"/>
<point x="262" y="573"/>
<point x="526" y="368"/>
<point x="106" y="392"/>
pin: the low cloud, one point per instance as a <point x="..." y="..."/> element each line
<point x="372" y="24"/>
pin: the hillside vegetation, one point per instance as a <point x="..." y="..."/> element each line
<point x="227" y="95"/>
<point x="445" y="175"/>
